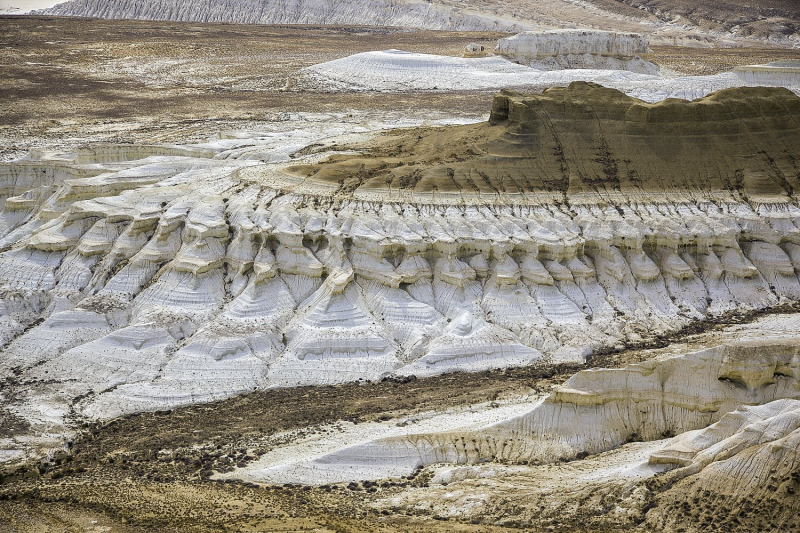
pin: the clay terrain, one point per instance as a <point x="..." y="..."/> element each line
<point x="153" y="471"/>
<point x="157" y="81"/>
<point x="498" y="269"/>
<point x="769" y="20"/>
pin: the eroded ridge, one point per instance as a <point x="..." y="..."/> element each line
<point x="564" y="49"/>
<point x="576" y="143"/>
<point x="401" y="13"/>
<point x="144" y="277"/>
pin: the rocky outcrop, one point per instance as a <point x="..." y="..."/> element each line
<point x="146" y="278"/>
<point x="746" y="466"/>
<point x="564" y="49"/>
<point x="737" y="431"/>
<point x="598" y="410"/>
<point x="774" y="21"/>
<point x="588" y="141"/>
<point x="777" y="73"/>
<point x="399" y="71"/>
<point x="404" y="13"/>
<point x="668" y="21"/>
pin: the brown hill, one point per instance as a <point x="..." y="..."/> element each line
<point x="590" y="139"/>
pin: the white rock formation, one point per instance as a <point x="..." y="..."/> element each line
<point x="404" y="13"/>
<point x="586" y="49"/>
<point x="776" y="73"/>
<point x="147" y="277"/>
<point x="668" y="23"/>
<point x="396" y="70"/>
<point x="736" y="432"/>
<point x="608" y="487"/>
<point x="597" y="410"/>
<point x="742" y="471"/>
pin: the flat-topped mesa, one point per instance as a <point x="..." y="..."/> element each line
<point x="779" y="73"/>
<point x="559" y="49"/>
<point x="588" y="143"/>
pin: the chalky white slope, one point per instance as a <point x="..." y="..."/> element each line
<point x="396" y="70"/>
<point x="669" y="22"/>
<point x="404" y="13"/>
<point x="146" y="277"/>
<point x="746" y="462"/>
<point x="565" y="49"/>
<point x="594" y="411"/>
<point x="750" y="459"/>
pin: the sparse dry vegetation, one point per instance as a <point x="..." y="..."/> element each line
<point x="63" y="82"/>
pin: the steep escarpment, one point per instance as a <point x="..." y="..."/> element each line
<point x="144" y="277"/>
<point x="598" y="410"/>
<point x="667" y="20"/>
<point x="406" y="13"/>
<point x="772" y="19"/>
<point x="587" y="139"/>
<point x="563" y="49"/>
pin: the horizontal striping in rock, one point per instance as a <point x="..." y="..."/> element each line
<point x="157" y="276"/>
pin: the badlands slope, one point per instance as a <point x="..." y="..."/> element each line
<point x="309" y="289"/>
<point x="722" y="21"/>
<point x="588" y="140"/>
<point x="405" y="13"/>
<point x="534" y="61"/>
<point x="146" y="277"/>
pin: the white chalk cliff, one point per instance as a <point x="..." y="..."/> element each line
<point x="403" y="13"/>
<point x="777" y="73"/>
<point x="668" y="22"/>
<point x="568" y="49"/>
<point x="145" y="277"/>
<point x="598" y="410"/>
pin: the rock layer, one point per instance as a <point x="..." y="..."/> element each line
<point x="591" y="140"/>
<point x="563" y="49"/>
<point x="671" y="21"/>
<point x="147" y="277"/>
<point x="404" y="13"/>
<point x="399" y="71"/>
<point x="777" y="73"/>
<point x="597" y="410"/>
<point x="747" y="465"/>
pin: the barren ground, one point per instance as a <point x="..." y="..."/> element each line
<point x="151" y="471"/>
<point x="63" y="82"/>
